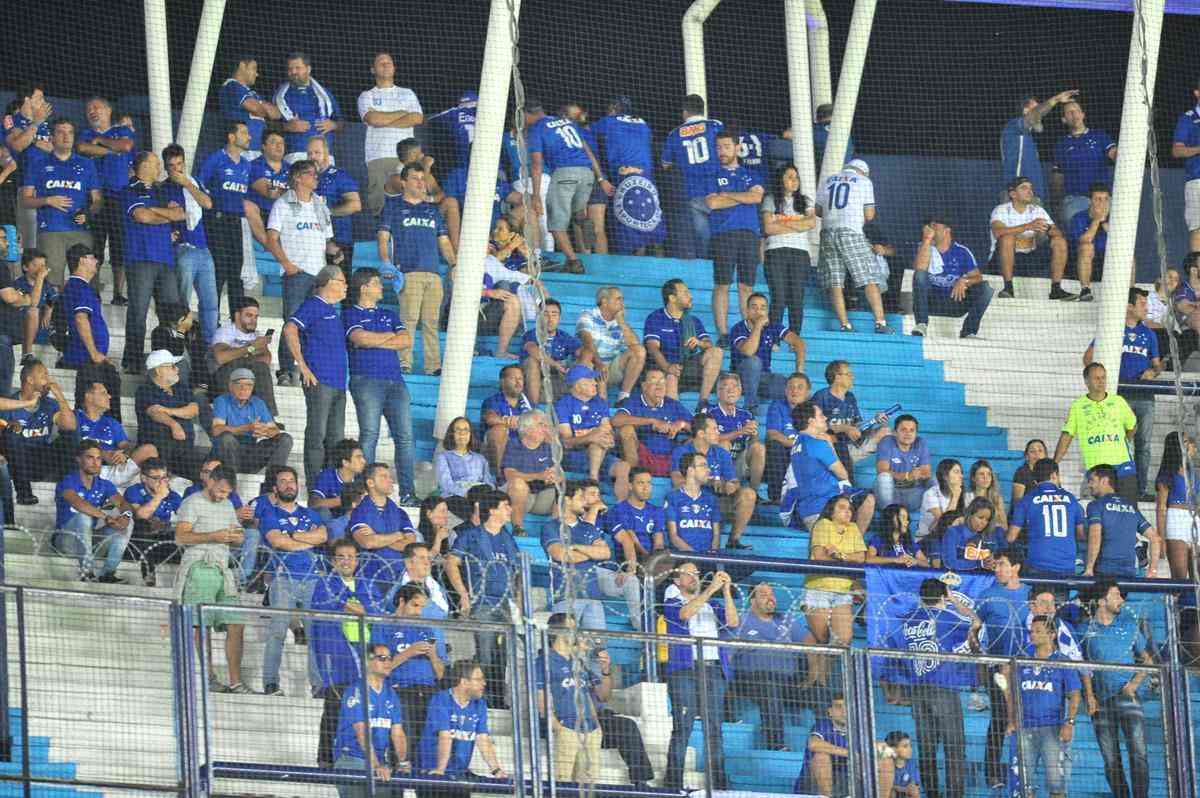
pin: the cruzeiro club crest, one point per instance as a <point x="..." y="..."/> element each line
<point x="636" y="204"/>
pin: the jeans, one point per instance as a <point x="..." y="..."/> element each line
<point x="887" y="493"/>
<point x="296" y="288"/>
<point x="360" y="790"/>
<point x="623" y="734"/>
<point x="765" y="689"/>
<point x="375" y="398"/>
<point x="703" y="233"/>
<point x="938" y="716"/>
<point x="8" y="361"/>
<point x="194" y="268"/>
<point x="995" y="757"/>
<point x="927" y="299"/>
<point x="757" y="385"/>
<point x="1122" y="716"/>
<point x="684" y="691"/>
<point x="606" y="580"/>
<point x="1042" y="743"/>
<point x="249" y="457"/>
<point x="488" y="652"/>
<point x="224" y="231"/>
<point x="287" y="594"/>
<point x="77" y="535"/>
<point x="324" y="426"/>
<point x="589" y="613"/>
<point x="144" y="279"/>
<point x="1143" y="411"/>
<point x="6" y="495"/>
<point x="787" y="274"/>
<point x="248" y="553"/>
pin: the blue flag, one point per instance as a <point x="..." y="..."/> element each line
<point x="639" y="214"/>
<point x="1013" y="787"/>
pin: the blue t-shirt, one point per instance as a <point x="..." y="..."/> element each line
<point x="563" y="692"/>
<point x="414" y="670"/>
<point x="277" y="179"/>
<point x="312" y="103"/>
<point x="49" y="292"/>
<point x="370" y="361"/>
<point x="948" y="266"/>
<point x="898" y="460"/>
<point x="234" y="414"/>
<point x="779" y="628"/>
<point x="752" y="154"/>
<point x="37" y="425"/>
<point x="1019" y="155"/>
<point x="904" y="776"/>
<point x="498" y="404"/>
<point x="384" y="712"/>
<point x="839" y="411"/>
<point x="958" y="538"/>
<point x="644" y="524"/>
<point x="661" y="327"/>
<point x="1049" y="516"/>
<point x="459" y="122"/>
<point x="624" y="141"/>
<point x="464" y="723"/>
<point x="322" y="340"/>
<point x="491" y="560"/>
<point x="226" y="181"/>
<point x="522" y="459"/>
<point x="80" y="297"/>
<point x="736" y="217"/>
<point x="808" y="484"/>
<point x="732" y="421"/>
<point x="137" y="494"/>
<point x="1083" y="160"/>
<point x="146" y="242"/>
<point x="582" y="534"/>
<point x="1139" y="347"/>
<point x="562" y="346"/>
<point x="385" y="520"/>
<point x="826" y="731"/>
<point x="31" y="154"/>
<point x="772" y="335"/>
<point x="182" y="234"/>
<point x="779" y="418"/>
<point x="106" y="430"/>
<point x="113" y="167"/>
<point x="328" y="485"/>
<point x="694" y="517"/>
<point x="1177" y="488"/>
<point x="560" y="142"/>
<point x="1187" y="132"/>
<point x="333" y="185"/>
<point x="1116" y="643"/>
<point x="415" y="229"/>
<point x="636" y="406"/>
<point x="1044" y="692"/>
<point x="301" y="564"/>
<point x="692" y="149"/>
<point x="50" y="176"/>
<point x="230" y="97"/>
<point x="581" y="416"/>
<point x="1120" y="522"/>
<point x="720" y="461"/>
<point x="820" y="139"/>
<point x="1002" y="611"/>
<point x="886" y="547"/>
<point x="1079" y="224"/>
<point x="934" y="630"/>
<point x="100" y="492"/>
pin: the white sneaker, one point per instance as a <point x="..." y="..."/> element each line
<point x="920" y="330"/>
<point x="977" y="702"/>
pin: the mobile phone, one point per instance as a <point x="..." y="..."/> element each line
<point x="431" y="640"/>
<point x="270" y="332"/>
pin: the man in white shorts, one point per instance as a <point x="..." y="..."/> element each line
<point x="1018" y="228"/>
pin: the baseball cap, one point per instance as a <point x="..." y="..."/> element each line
<point x="241" y="374"/>
<point x="860" y="165"/>
<point x="160" y="357"/>
<point x="577" y="373"/>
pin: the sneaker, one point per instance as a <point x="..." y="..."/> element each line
<point x="110" y="579"/>
<point x="26" y="499"/>
<point x="87" y="576"/>
<point x="737" y="545"/>
<point x="1057" y="293"/>
<point x="964" y="336"/>
<point x="846" y="328"/>
<point x="723" y="341"/>
<point x="240" y="689"/>
<point x="574" y="267"/>
<point x="119" y="300"/>
<point x="883" y="329"/>
<point x="285" y="379"/>
<point x="215" y="685"/>
<point x="1005" y="294"/>
<point x="28" y="358"/>
<point x="405" y="369"/>
<point x="1085" y="295"/>
<point x="272" y="689"/>
<point x="920" y="330"/>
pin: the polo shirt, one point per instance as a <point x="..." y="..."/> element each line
<point x="230" y="97"/>
<point x="226" y="181"/>
<point x="1120" y="523"/>
<point x="150" y="431"/>
<point x="101" y="491"/>
<point x="1115" y="643"/>
<point x="662" y="327"/>
<point x="772" y="335"/>
<point x="333" y="185"/>
<point x="51" y="176"/>
<point x="693" y="516"/>
<point x="1083" y="160"/>
<point x="606" y="334"/>
<point x="740" y="216"/>
<point x="374" y="362"/>
<point x="149" y="243"/>
<point x="415" y="228"/>
<point x="235" y="413"/>
<point x="137" y="495"/>
<point x="668" y="410"/>
<point x="521" y="458"/>
<point x="322" y="340"/>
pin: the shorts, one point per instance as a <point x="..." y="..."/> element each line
<point x="616" y="370"/>
<point x="206" y="585"/>
<point x="727" y="503"/>
<point x="541" y="498"/>
<point x="490" y="313"/>
<point x="659" y="464"/>
<point x="1191" y="204"/>
<point x="737" y="251"/>
<point x="1179" y="526"/>
<point x="826" y="599"/>
<point x="570" y="188"/>
<point x="692" y="374"/>
<point x="741" y="463"/>
<point x="577" y="460"/>
<point x="598" y="196"/>
<point x="846" y="252"/>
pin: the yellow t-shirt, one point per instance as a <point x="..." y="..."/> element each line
<point x="1102" y="429"/>
<point x="844" y="539"/>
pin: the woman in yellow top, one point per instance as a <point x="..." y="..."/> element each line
<point x="828" y="602"/>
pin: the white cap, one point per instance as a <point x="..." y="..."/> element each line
<point x="160" y="357"/>
<point x="860" y="165"/>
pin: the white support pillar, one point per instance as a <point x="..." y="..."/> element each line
<point x="158" y="73"/>
<point x="1119" y="266"/>
<point x="495" y="78"/>
<point x="847" y="89"/>
<point x="693" y="47"/>
<point x="799" y="93"/>
<point x="207" y="36"/>
<point x="818" y="54"/>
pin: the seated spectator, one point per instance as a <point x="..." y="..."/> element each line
<point x="1166" y="324"/>
<point x="500" y="309"/>
<point x="379" y="526"/>
<point x="433" y="528"/>
<point x="205" y="526"/>
<point x="246" y="515"/>
<point x="456" y="720"/>
<point x="829" y="600"/>
<point x="815" y="475"/>
<point x="895" y="544"/>
<point x="931" y="544"/>
<point x="508" y="246"/>
<point x="575" y="545"/>
<point x="237" y="345"/>
<point x="38" y="438"/>
<point x="568" y="707"/>
<point x="693" y="517"/>
<point x="1050" y="699"/>
<point x="611" y="343"/>
<point x="1088" y="231"/>
<point x="245" y="435"/>
<point x="636" y="525"/>
<point x="529" y="473"/>
<point x="352" y="496"/>
<point x="972" y="545"/>
<point x="19" y="308"/>
<point x="753" y="340"/>
<point x="87" y="331"/>
<point x="735" y="500"/>
<point x="647" y="424"/>
<point x="460" y="466"/>
<point x="86" y="503"/>
<point x="500" y="412"/>
<point x="983" y="483"/>
<point x="371" y="719"/>
<point x="1184" y="296"/>
<point x="154" y="506"/>
<point x="737" y="431"/>
<point x="586" y="432"/>
<point x="896" y="768"/>
<point x="1175" y="495"/>
<point x="347" y="464"/>
<point x="947" y="493"/>
<point x="1114" y="526"/>
<point x="947" y="280"/>
<point x="34" y="304"/>
<point x="826" y="768"/>
<point x="843" y="418"/>
<point x="1020" y="226"/>
<point x="418" y="571"/>
<point x="1048" y="521"/>
<point x="556" y="357"/>
<point x="296" y="535"/>
<point x="781" y="433"/>
<point x="166" y="413"/>
<point x="677" y="343"/>
<point x="902" y="468"/>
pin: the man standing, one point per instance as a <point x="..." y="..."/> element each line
<point x="237" y="345"/>
<point x="340" y="192"/>
<point x="732" y="201"/>
<point x="1052" y="521"/>
<point x="307" y="109"/>
<point x="1186" y="144"/>
<point x="902" y="467"/>
<point x="419" y="656"/>
<point x="611" y="343"/>
<point x="225" y="176"/>
<point x="1019" y="149"/>
<point x="245" y="434"/>
<point x="691" y="148"/>
<point x="194" y="268"/>
<point x="1088" y="231"/>
<point x="27" y="136"/>
<point x="624" y="140"/>
<point x="1002" y="609"/>
<point x="411" y="234"/>
<point x="86" y="503"/>
<point x="111" y="147"/>
<point x="316" y="340"/>
<point x="390" y="113"/>
<point x="1019" y="227"/>
<point x="754" y="340"/>
<point x="87" y="331"/>
<point x="1113" y="527"/>
<point x="241" y="103"/>
<point x="1049" y="704"/>
<point x="677" y="343"/>
<point x="1103" y="422"/>
<point x="1082" y="158"/>
<point x="947" y="280"/>
<point x="567" y="704"/>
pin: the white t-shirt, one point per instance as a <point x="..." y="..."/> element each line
<point x="702" y="624"/>
<point x="381" y="141"/>
<point x="232" y="335"/>
<point x="1156" y="308"/>
<point x="784" y="240"/>
<point x="843" y="199"/>
<point x="1009" y="216"/>
<point x="931" y="500"/>
<point x="303" y="229"/>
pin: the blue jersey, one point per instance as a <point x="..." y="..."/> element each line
<point x="383" y="711"/>
<point x="779" y="628"/>
<point x="1139" y="348"/>
<point x="643" y="524"/>
<point x="415" y="229"/>
<point x="49" y="292"/>
<point x="321" y="337"/>
<point x="145" y="243"/>
<point x="720" y="461"/>
<point x="1019" y="155"/>
<point x="80" y="297"/>
<point x="752" y="154"/>
<point x="459" y="122"/>
<point x="1002" y="611"/>
<point x="1120" y="522"/>
<point x="1044" y="693"/>
<point x="464" y="723"/>
<point x="277" y="179"/>
<point x="226" y="181"/>
<point x="560" y="142"/>
<point x="946" y="267"/>
<point x="371" y="361"/>
<point x="779" y="418"/>
<point x="1177" y="488"/>
<point x="312" y="103"/>
<point x="582" y="534"/>
<point x="230" y="97"/>
<point x="842" y="410"/>
<point x="808" y="484"/>
<point x="668" y="410"/>
<point x="900" y="461"/>
<point x="824" y="729"/>
<point x="414" y="670"/>
<point x="37" y="425"/>
<point x="668" y="331"/>
<point x="1116" y="643"/>
<point x="105" y="430"/>
<point x="695" y="517"/>
<point x="301" y="564"/>
<point x="563" y="693"/>
<point x="581" y="416"/>
<point x="731" y="421"/>
<point x="97" y="495"/>
<point x="886" y="547"/>
<point x="328" y="485"/>
<point x="1049" y="516"/>
<point x="29" y="156"/>
<point x="624" y="141"/>
<point x="964" y="551"/>
<point x="385" y="520"/>
<point x="491" y="560"/>
<point x="333" y="185"/>
<point x="561" y="346"/>
<point x="771" y="336"/>
<point x="113" y="167"/>
<point x="1083" y="160"/>
<point x="1079" y="224"/>
<point x="138" y="495"/>
<point x="905" y="776"/>
<point x="181" y="233"/>
<point x="736" y="217"/>
<point x="934" y="630"/>
<point x="1187" y="132"/>
<point x="75" y="177"/>
<point x="692" y="149"/>
<point x="498" y="404"/>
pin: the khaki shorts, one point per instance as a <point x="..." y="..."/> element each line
<point x="616" y="369"/>
<point x="542" y="502"/>
<point x="206" y="585"/>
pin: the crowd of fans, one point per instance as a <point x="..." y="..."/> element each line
<point x="88" y="192"/>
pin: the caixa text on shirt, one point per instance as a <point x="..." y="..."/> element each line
<point x="70" y="185"/>
<point x="420" y="221"/>
<point x="1107" y="437"/>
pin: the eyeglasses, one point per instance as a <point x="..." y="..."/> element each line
<point x="382" y="657"/>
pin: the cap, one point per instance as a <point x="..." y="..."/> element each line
<point x="160" y="357"/>
<point x="824" y="111"/>
<point x="860" y="165"/>
<point x="622" y="103"/>
<point x="241" y="374"/>
<point x="468" y="97"/>
<point x="577" y="373"/>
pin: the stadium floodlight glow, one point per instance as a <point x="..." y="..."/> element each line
<point x="203" y="56"/>
<point x="158" y="73"/>
<point x="818" y="53"/>
<point x="693" y="46"/>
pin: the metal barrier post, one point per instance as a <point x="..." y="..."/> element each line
<point x="23" y="664"/>
<point x="6" y="742"/>
<point x="1014" y="689"/>
<point x="185" y="719"/>
<point x="544" y="639"/>
<point x="364" y="650"/>
<point x="1180" y="705"/>
<point x="650" y="624"/>
<point x="518" y="772"/>
<point x="706" y="734"/>
<point x="535" y="754"/>
<point x="866" y="722"/>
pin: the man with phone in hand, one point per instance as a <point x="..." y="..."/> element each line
<point x="237" y="345"/>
